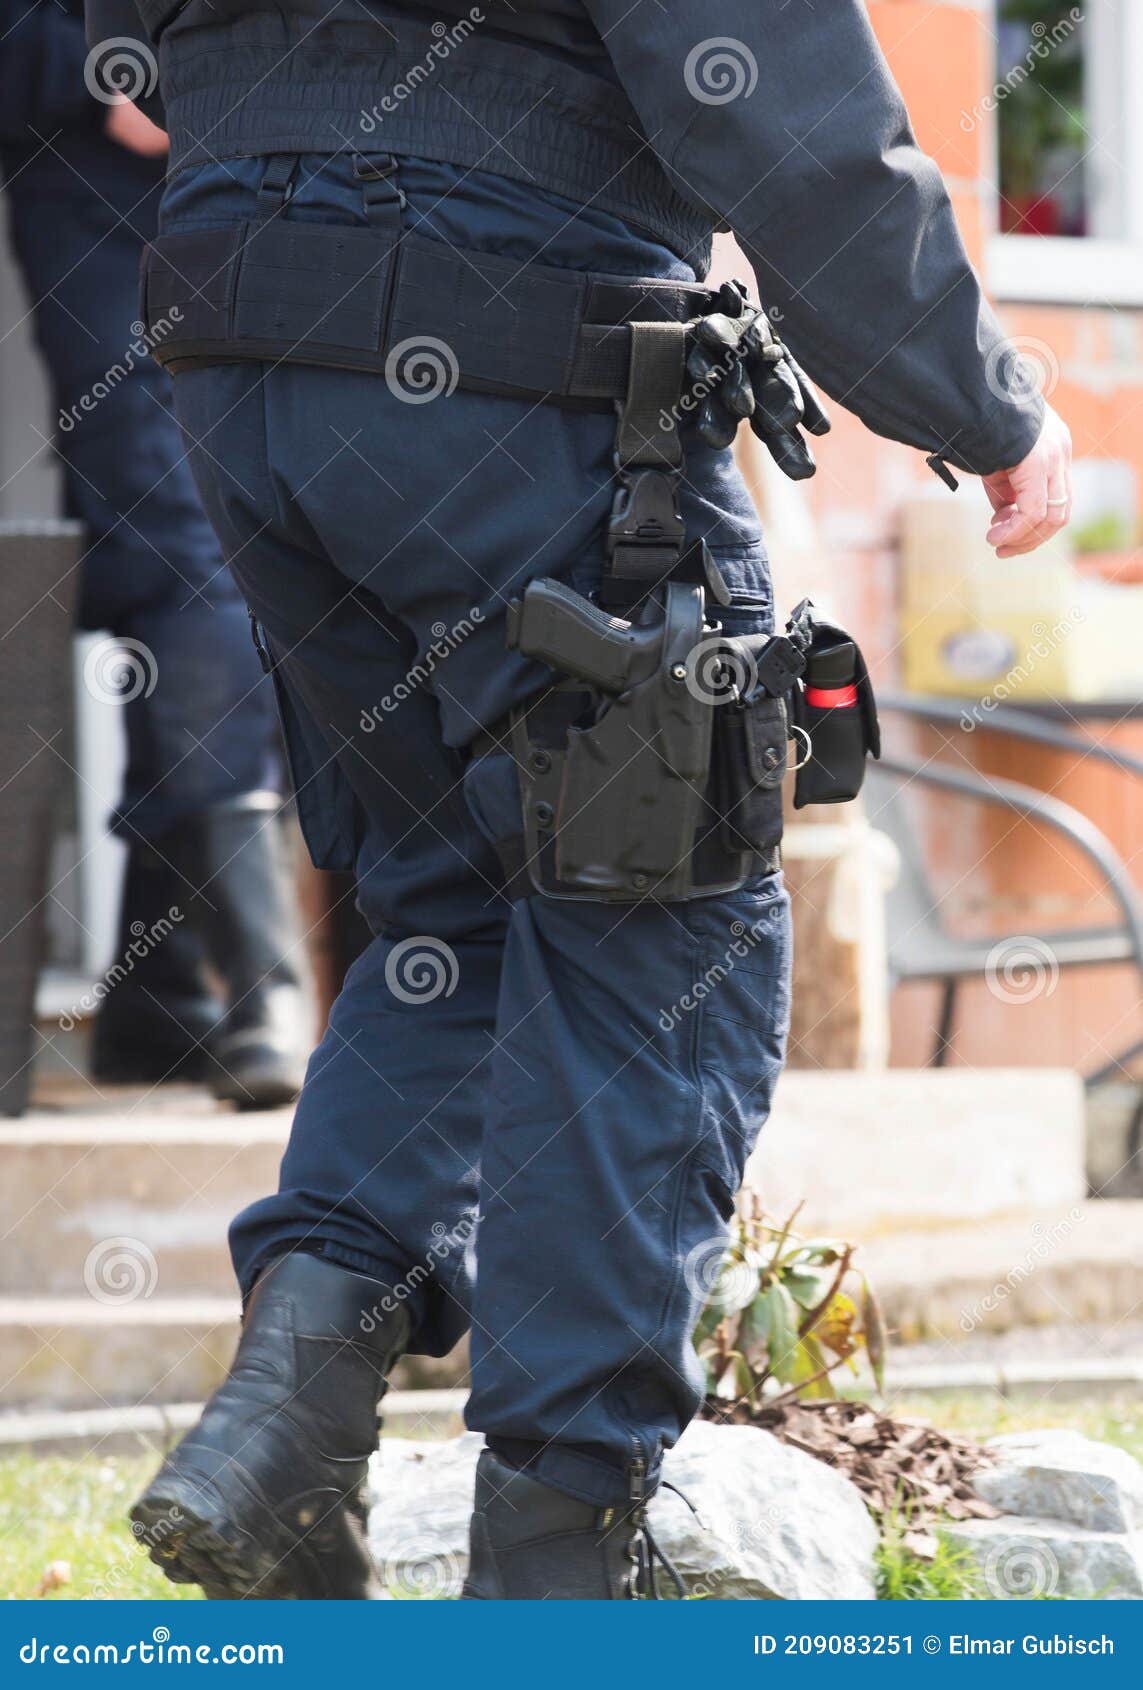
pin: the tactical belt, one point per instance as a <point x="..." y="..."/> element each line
<point x="348" y="297"/>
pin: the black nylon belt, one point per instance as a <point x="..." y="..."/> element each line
<point x="347" y="296"/>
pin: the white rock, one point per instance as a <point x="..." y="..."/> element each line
<point x="1062" y="1475"/>
<point x="421" y="1504"/>
<point x="1025" y="1558"/>
<point x="775" y="1523"/>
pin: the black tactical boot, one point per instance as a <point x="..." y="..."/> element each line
<point x="266" y="1497"/>
<point x="531" y="1543"/>
<point x="234" y="857"/>
<point x="155" y="1022"/>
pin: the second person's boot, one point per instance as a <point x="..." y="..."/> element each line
<point x="235" y="858"/>
<point x="156" y="1021"/>
<point x="266" y="1497"/>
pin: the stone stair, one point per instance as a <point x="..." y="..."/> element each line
<point x="115" y="1285"/>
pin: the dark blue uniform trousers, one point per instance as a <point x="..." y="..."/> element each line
<point x="200" y="723"/>
<point x="528" y="1119"/>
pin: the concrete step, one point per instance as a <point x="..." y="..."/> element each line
<point x="867" y="1153"/>
<point x="949" y="1283"/>
<point x="1056" y="1267"/>
<point x="74" y="1352"/>
<point x="78" y="1353"/>
<point x="113" y="1221"/>
<point x="166" y="1185"/>
<point x="167" y="1169"/>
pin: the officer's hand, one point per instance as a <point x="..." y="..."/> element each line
<point x="1033" y="501"/>
<point x="127" y="125"/>
<point x="743" y="371"/>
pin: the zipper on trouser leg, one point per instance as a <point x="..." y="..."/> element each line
<point x="641" y="1579"/>
<point x="260" y="646"/>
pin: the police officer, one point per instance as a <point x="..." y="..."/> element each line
<point x="423" y="264"/>
<point x="82" y="181"/>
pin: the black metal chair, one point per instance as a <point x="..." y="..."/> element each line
<point x="921" y="947"/>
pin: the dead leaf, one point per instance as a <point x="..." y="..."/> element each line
<point x="54" y="1576"/>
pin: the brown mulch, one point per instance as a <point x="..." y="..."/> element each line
<point x="906" y="1465"/>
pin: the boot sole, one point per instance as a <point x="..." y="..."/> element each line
<point x="206" y="1546"/>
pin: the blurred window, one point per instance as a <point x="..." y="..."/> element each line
<point x="1044" y="87"/>
<point x="1068" y="151"/>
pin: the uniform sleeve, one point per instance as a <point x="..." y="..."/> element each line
<point x="785" y="123"/>
<point x="42" y="57"/>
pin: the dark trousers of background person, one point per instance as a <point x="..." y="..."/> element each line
<point x="199" y="794"/>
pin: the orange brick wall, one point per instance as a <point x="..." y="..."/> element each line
<point x="943" y="58"/>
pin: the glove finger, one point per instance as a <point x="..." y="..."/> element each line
<point x="736" y="392"/>
<point x="758" y="336"/>
<point x="789" y="451"/>
<point x="704" y="366"/>
<point x="815" y="417"/>
<point x="778" y="396"/>
<point x="721" y="334"/>
<point x="715" y="425"/>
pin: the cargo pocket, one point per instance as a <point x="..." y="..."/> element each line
<point x="328" y="812"/>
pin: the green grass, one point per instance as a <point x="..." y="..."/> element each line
<point x="951" y="1575"/>
<point x="59" y="1508"/>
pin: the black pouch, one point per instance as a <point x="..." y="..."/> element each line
<point x="834" y="718"/>
<point x="751" y="752"/>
